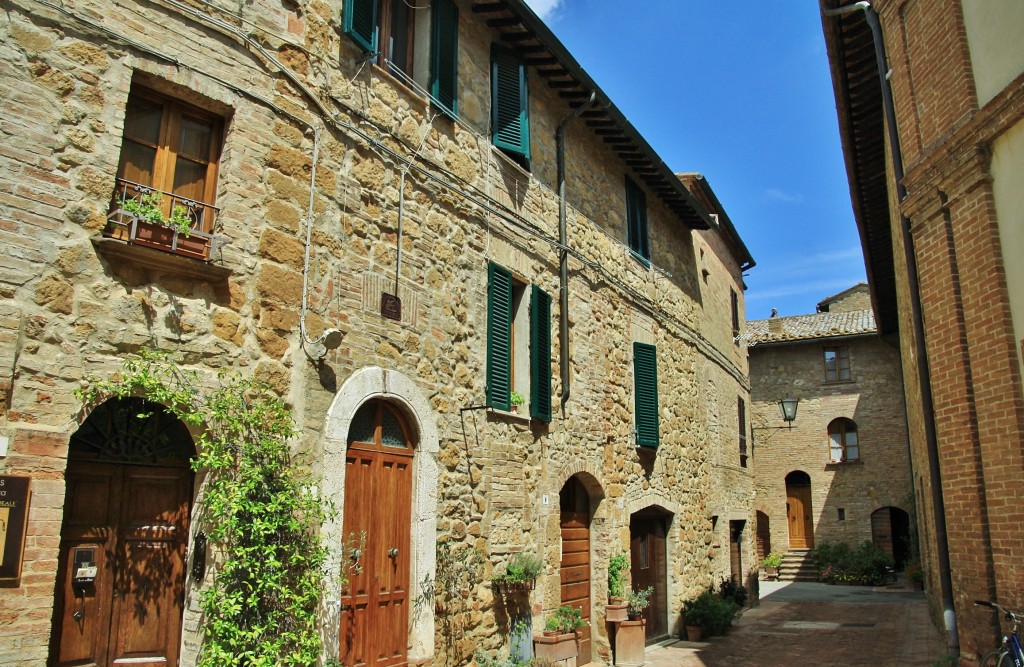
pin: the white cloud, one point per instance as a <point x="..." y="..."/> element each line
<point x="544" y="8"/>
<point x="773" y="194"/>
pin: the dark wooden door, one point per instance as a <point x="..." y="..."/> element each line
<point x="575" y="565"/>
<point x="378" y="505"/>
<point x="798" y="512"/>
<point x="648" y="569"/>
<point x="130" y="523"/>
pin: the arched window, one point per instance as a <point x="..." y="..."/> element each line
<point x="842" y="440"/>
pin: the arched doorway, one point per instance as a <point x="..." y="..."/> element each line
<point x="798" y="510"/>
<point x="648" y="532"/>
<point x="890" y="532"/>
<point x="121" y="576"/>
<point x="374" y="627"/>
<point x="574" y="521"/>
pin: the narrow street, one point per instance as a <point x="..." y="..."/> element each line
<point x="818" y="624"/>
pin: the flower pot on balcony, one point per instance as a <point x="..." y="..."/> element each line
<point x="555" y="646"/>
<point x="615" y="613"/>
<point x="630" y="640"/>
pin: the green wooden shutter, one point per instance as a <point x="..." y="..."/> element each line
<point x="636" y="220"/>
<point x="645" y="377"/>
<point x="361" y="23"/>
<point x="510" y="115"/>
<point x="540" y="355"/>
<point x="499" y="337"/>
<point x="444" y="62"/>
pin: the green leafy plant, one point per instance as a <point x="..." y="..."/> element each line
<point x="516" y="399"/>
<point x="838" y="562"/>
<point x="565" y="619"/>
<point x="260" y="511"/>
<point x="617" y="566"/>
<point x="639" y="600"/>
<point x="774" y="559"/>
<point x="149" y="208"/>
<point x="730" y="589"/>
<point x="709" y="612"/>
<point x="521" y="569"/>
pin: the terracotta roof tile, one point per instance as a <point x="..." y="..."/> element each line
<point x="807" y="327"/>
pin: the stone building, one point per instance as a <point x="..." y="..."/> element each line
<point x="839" y="472"/>
<point x="930" y="98"/>
<point x="400" y="215"/>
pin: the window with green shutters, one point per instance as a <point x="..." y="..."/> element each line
<point x="360" y="22"/>
<point x="517" y="361"/>
<point x="510" y="114"/>
<point x="444" y="63"/>
<point x="636" y="221"/>
<point x="540" y="355"/>
<point x="645" y="390"/>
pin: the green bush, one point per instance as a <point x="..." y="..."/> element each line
<point x="616" y="567"/>
<point x="565" y="619"/>
<point x="730" y="589"/>
<point x="522" y="568"/>
<point x="838" y="562"/>
<point x="710" y="612"/>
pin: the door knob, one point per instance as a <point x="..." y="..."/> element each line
<point x="393" y="552"/>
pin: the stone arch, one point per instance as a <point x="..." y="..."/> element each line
<point x="375" y="383"/>
<point x="590" y="475"/>
<point x="643" y="499"/>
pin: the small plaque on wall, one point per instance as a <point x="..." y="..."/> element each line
<point x="14" y="500"/>
<point x="390" y="306"/>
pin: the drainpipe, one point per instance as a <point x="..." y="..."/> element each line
<point x="563" y="249"/>
<point x="923" y="372"/>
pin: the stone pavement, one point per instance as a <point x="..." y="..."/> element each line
<point x="811" y="624"/>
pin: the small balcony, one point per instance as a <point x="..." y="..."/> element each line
<point x="142" y="215"/>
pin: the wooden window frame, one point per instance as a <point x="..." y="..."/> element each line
<point x="843" y="426"/>
<point x="638" y="234"/>
<point x="842" y="353"/>
<point x="741" y="418"/>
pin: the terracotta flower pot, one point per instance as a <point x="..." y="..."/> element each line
<point x="694" y="633"/>
<point x="630" y="641"/>
<point x="554" y="646"/>
<point x="615" y="613"/>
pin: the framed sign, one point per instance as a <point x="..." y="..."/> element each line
<point x="14" y="499"/>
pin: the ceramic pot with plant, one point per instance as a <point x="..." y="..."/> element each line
<point x="515" y="399"/>
<point x="771" y="564"/>
<point x="637" y="601"/>
<point x="520" y="573"/>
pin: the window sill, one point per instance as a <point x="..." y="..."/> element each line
<point x="828" y="382"/>
<point x="414" y="95"/>
<point x="833" y="465"/>
<point x="508" y="415"/>
<point x="159" y="262"/>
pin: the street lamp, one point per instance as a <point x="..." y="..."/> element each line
<point x="788" y="406"/>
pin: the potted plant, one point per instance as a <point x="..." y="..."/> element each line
<point x="631" y="635"/>
<point x="559" y="641"/>
<point x="516" y="399"/>
<point x="697" y="614"/>
<point x="616" y="609"/>
<point x="916" y="575"/>
<point x="520" y="573"/>
<point x="771" y="564"/>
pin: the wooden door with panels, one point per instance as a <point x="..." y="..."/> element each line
<point x="648" y="532"/>
<point x="574" y="569"/>
<point x="121" y="574"/>
<point x="374" y="627"/>
<point x="798" y="510"/>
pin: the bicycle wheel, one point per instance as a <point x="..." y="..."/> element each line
<point x="995" y="659"/>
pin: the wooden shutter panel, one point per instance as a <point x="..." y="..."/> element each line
<point x="361" y="23"/>
<point x="510" y="120"/>
<point x="636" y="220"/>
<point x="499" y="337"/>
<point x="540" y="355"/>
<point x="645" y="377"/>
<point x="444" y="63"/>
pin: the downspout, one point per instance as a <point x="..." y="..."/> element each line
<point x="923" y="371"/>
<point x="563" y="250"/>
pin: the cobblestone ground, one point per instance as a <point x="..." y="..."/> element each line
<point x="814" y="624"/>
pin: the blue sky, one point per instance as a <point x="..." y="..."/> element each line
<point x="739" y="91"/>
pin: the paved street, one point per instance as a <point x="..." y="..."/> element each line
<point x="816" y="624"/>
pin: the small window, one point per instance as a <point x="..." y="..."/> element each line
<point x="842" y="514"/>
<point x="741" y="418"/>
<point x="510" y="104"/>
<point x="734" y="300"/>
<point x="842" y="437"/>
<point x="636" y="221"/>
<point x="645" y="379"/>
<point x="837" y="364"/>
<point x="518" y="343"/>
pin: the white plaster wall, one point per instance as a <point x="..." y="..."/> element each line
<point x="1007" y="171"/>
<point x="994" y="29"/>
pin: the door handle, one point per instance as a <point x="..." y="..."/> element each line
<point x="393" y="552"/>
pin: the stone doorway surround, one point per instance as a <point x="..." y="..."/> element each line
<point x="375" y="383"/>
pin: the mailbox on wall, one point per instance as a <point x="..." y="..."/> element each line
<point x="14" y="501"/>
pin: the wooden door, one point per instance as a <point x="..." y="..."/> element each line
<point x="798" y="512"/>
<point x="575" y="564"/>
<point x="131" y="523"/>
<point x="378" y="505"/>
<point x="648" y="569"/>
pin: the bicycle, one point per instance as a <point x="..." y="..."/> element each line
<point x="1010" y="653"/>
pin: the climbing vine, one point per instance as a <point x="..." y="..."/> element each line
<point x="262" y="513"/>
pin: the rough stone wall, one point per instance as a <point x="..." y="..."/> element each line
<point x="873" y="400"/>
<point x="68" y="310"/>
<point x="971" y="352"/>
